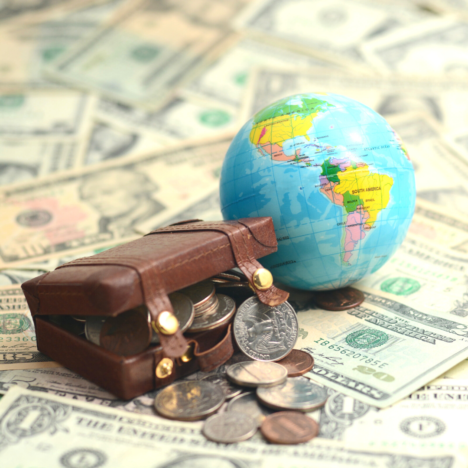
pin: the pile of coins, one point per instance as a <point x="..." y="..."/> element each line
<point x="270" y="396"/>
<point x="267" y="392"/>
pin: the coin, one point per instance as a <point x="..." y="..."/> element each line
<point x="297" y="363"/>
<point x="189" y="400"/>
<point x="289" y="427"/>
<point x="297" y="393"/>
<point x="247" y="403"/>
<point x="226" y="309"/>
<point x="221" y="381"/>
<point x="339" y="299"/>
<point x="93" y="327"/>
<point x="79" y="318"/>
<point x="256" y="373"/>
<point x="199" y="293"/>
<point x="209" y="307"/>
<point x="265" y="333"/>
<point x="229" y="428"/>
<point x="183" y="310"/>
<point x="126" y="334"/>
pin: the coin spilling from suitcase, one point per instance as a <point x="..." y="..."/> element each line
<point x="264" y="387"/>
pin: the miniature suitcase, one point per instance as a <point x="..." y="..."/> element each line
<point x="144" y="272"/>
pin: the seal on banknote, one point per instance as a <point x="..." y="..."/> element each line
<point x="367" y="338"/>
<point x="422" y="427"/>
<point x="265" y="333"/>
<point x="400" y="286"/>
<point x="83" y="457"/>
<point x="11" y="324"/>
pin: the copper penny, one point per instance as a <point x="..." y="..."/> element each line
<point x="339" y="299"/>
<point x="288" y="427"/>
<point x="126" y="334"/>
<point x="297" y="363"/>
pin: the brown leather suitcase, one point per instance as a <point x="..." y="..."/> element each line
<point x="144" y="272"/>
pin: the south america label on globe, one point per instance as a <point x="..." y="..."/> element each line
<point x="335" y="178"/>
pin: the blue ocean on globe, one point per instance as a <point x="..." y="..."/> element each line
<point x="336" y="180"/>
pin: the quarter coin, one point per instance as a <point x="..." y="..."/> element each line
<point x="297" y="393"/>
<point x="265" y="333"/>
<point x="183" y="310"/>
<point x="126" y="334"/>
<point x="200" y="293"/>
<point x="248" y="404"/>
<point x="220" y="380"/>
<point x="225" y="311"/>
<point x="297" y="363"/>
<point x="229" y="428"/>
<point x="289" y="427"/>
<point x="256" y="373"/>
<point x="339" y="299"/>
<point x="93" y="327"/>
<point x="189" y="400"/>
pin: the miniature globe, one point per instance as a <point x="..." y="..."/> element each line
<point x="334" y="177"/>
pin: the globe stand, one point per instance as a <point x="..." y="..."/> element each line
<point x="339" y="299"/>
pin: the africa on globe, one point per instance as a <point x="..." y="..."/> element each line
<point x="334" y="177"/>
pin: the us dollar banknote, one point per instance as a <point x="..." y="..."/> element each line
<point x="45" y="113"/>
<point x="333" y="30"/>
<point x="150" y="59"/>
<point x="405" y="334"/>
<point x="224" y="81"/>
<point x="436" y="47"/>
<point x="100" y="205"/>
<point x="26" y="159"/>
<point x="26" y="48"/>
<point x="441" y="98"/>
<point x="177" y="120"/>
<point x="74" y="430"/>
<point x="18" y="348"/>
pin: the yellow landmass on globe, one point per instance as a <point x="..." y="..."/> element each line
<point x="270" y="134"/>
<point x="371" y="188"/>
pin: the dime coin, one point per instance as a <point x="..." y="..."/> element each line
<point x="221" y="381"/>
<point x="256" y="374"/>
<point x="93" y="327"/>
<point x="226" y="309"/>
<point x="297" y="363"/>
<point x="126" y="334"/>
<point x="189" y="400"/>
<point x="229" y="428"/>
<point x="265" y="333"/>
<point x="297" y="393"/>
<point x="247" y="403"/>
<point x="183" y="310"/>
<point x="199" y="293"/>
<point x="339" y="299"/>
<point x="289" y="427"/>
<point x="209" y="307"/>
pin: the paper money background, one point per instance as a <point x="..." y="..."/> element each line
<point x="115" y="116"/>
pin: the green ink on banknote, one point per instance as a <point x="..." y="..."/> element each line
<point x="215" y="118"/>
<point x="366" y="339"/>
<point x="400" y="286"/>
<point x="145" y="53"/>
<point x="9" y="101"/>
<point x="11" y="324"/>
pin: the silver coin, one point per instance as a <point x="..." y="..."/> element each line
<point x="183" y="310"/>
<point x="199" y="293"/>
<point x="229" y="428"/>
<point x="93" y="327"/>
<point x="226" y="309"/>
<point x="257" y="374"/>
<point x="265" y="333"/>
<point x="221" y="381"/>
<point x="247" y="403"/>
<point x="189" y="400"/>
<point x="297" y="393"/>
<point x="208" y="307"/>
<point x="79" y="318"/>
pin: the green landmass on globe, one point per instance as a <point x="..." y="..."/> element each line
<point x="322" y="145"/>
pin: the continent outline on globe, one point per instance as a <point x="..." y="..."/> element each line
<point x="358" y="164"/>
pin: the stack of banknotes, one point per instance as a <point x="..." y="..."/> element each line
<point x="115" y="116"/>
